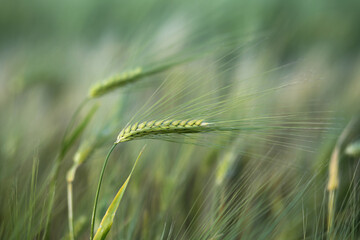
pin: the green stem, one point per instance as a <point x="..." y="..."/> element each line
<point x="331" y="204"/>
<point x="70" y="211"/>
<point x="98" y="191"/>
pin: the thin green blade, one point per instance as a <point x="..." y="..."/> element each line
<point x="108" y="218"/>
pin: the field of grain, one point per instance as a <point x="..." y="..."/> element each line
<point x="154" y="119"/>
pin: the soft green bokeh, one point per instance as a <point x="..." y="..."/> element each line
<point x="269" y="185"/>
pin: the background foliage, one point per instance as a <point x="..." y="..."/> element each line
<point x="51" y="52"/>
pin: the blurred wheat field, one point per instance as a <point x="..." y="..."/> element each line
<point x="248" y="110"/>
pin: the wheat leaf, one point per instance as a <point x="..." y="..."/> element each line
<point x="68" y="142"/>
<point x="108" y="218"/>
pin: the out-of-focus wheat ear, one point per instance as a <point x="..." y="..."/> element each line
<point x="333" y="182"/>
<point x="116" y="81"/>
<point x="152" y="128"/>
<point x="130" y="76"/>
<point x="353" y="149"/>
<point x="226" y="163"/>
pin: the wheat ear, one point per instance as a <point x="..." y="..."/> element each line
<point x="131" y="76"/>
<point x="152" y="128"/>
<point x="116" y="81"/>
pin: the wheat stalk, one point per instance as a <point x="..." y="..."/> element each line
<point x="80" y="156"/>
<point x="148" y="128"/>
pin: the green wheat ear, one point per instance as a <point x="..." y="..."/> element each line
<point x="116" y="81"/>
<point x="151" y="128"/>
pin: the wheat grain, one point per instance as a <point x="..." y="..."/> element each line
<point x="152" y="128"/>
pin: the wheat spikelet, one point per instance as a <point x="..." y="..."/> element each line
<point x="120" y="80"/>
<point x="151" y="128"/>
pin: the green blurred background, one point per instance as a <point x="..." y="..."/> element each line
<point x="51" y="52"/>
